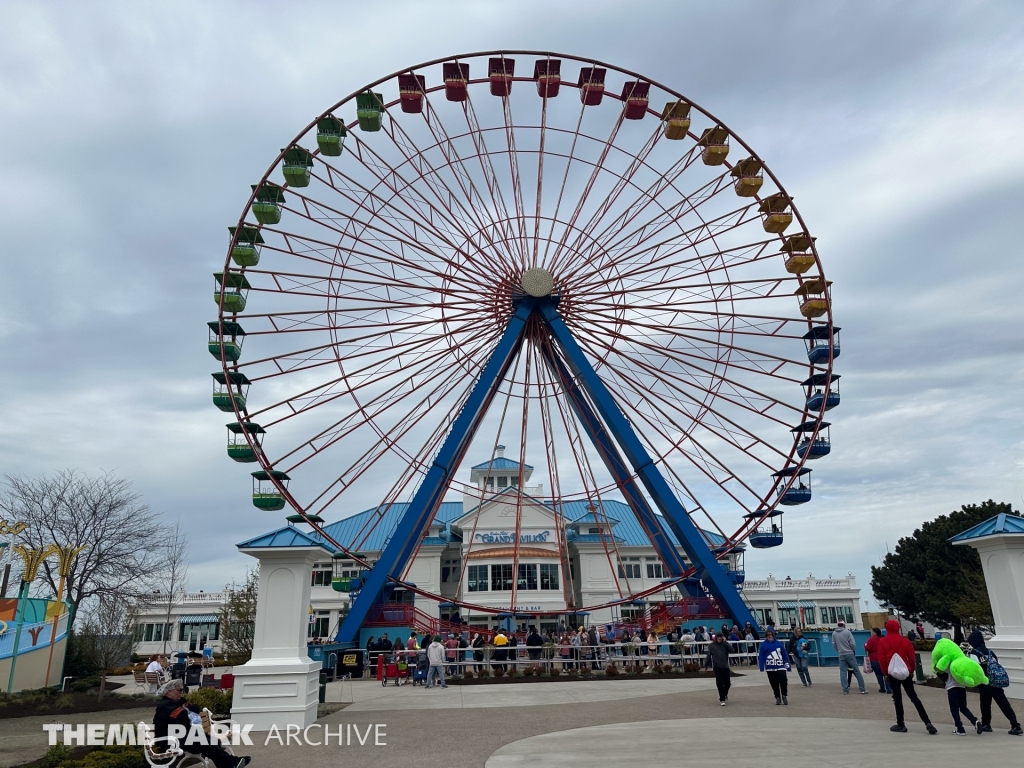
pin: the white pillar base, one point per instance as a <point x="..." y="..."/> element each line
<point x="271" y="692"/>
<point x="1010" y="650"/>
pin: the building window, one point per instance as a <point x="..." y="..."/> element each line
<point x="527" y="577"/>
<point x="502" y="481"/>
<point x="490" y="482"/>
<point x="655" y="571"/>
<point x="152" y="633"/>
<point x="593" y="530"/>
<point x="549" y="576"/>
<point x="831" y="614"/>
<point x="789" y="616"/>
<point x="476" y="578"/>
<point x="319" y="625"/>
<point x="809" y="616"/>
<point x="450" y="571"/>
<point x="629" y="567"/>
<point x="501" y="577"/>
<point x="205" y="631"/>
<point x="764" y="616"/>
<point x="630" y="614"/>
<point x="321" y="575"/>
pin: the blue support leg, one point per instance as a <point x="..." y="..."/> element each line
<point x="423" y="506"/>
<point x="689" y="535"/>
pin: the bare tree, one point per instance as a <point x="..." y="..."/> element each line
<point x="238" y="619"/>
<point x="174" y="575"/>
<point x="108" y="633"/>
<point x="124" y="543"/>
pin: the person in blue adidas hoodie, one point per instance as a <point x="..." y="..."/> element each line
<point x="773" y="659"/>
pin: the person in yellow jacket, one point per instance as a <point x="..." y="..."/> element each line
<point x="500" y="650"/>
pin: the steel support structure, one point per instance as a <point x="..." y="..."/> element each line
<point x="609" y="419"/>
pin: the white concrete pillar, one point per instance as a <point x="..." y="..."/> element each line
<point x="279" y="685"/>
<point x="1002" y="560"/>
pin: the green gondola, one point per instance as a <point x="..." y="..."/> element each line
<point x="238" y="447"/>
<point x="236" y="288"/>
<point x="231" y="339"/>
<point x="297" y="167"/>
<point x="246" y="250"/>
<point x="330" y="135"/>
<point x="300" y="519"/>
<point x="267" y="205"/>
<point x="265" y="495"/>
<point x="227" y="398"/>
<point x="369" y="108"/>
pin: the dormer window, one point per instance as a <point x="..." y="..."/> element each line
<point x="502" y="481"/>
<point x="593" y="530"/>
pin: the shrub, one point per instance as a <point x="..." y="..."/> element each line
<point x="611" y="670"/>
<point x="109" y="757"/>
<point x="56" y="755"/>
<point x="85" y="684"/>
<point x="498" y="672"/>
<point x="691" y="667"/>
<point x="660" y="669"/>
<point x="217" y="701"/>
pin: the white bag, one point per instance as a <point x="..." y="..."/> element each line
<point x="898" y="667"/>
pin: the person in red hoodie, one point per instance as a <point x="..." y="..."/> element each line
<point x="871" y="649"/>
<point x="895" y="644"/>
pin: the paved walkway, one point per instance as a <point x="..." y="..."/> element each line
<point x="796" y="742"/>
<point x="372" y="697"/>
<point x="601" y="722"/>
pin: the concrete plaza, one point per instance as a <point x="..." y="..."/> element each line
<point x="607" y="722"/>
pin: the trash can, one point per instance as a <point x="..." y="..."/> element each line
<point x="193" y="676"/>
<point x="918" y="669"/>
<point x="323" y="687"/>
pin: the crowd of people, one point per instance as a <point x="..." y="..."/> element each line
<point x="889" y="655"/>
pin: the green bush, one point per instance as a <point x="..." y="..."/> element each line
<point x="217" y="701"/>
<point x="56" y="755"/>
<point x="85" y="684"/>
<point x="109" y="757"/>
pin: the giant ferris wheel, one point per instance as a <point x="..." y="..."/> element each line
<point x="537" y="250"/>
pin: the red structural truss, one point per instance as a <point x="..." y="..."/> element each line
<point x="386" y="282"/>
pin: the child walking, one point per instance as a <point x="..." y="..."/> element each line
<point x="957" y="695"/>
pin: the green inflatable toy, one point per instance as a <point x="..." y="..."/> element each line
<point x="947" y="657"/>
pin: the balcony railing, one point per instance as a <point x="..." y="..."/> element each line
<point x="797" y="585"/>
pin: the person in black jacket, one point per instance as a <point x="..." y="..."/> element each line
<point x="534" y="642"/>
<point x="171" y="710"/>
<point x="718" y="660"/>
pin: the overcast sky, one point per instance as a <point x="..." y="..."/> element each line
<point x="132" y="132"/>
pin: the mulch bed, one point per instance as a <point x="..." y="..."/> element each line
<point x="67" y="704"/>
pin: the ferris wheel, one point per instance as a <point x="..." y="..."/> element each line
<point x="535" y="250"/>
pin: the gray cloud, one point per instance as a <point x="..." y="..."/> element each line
<point x="133" y="132"/>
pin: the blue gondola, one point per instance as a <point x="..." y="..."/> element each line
<point x="822" y="388"/>
<point x="800" y="491"/>
<point x="817" y="341"/>
<point x="769" y="532"/>
<point x="820" y="446"/>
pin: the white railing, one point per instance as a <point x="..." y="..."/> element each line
<point x="797" y="585"/>
<point x="190" y="598"/>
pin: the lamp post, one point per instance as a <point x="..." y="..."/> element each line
<point x="32" y="559"/>
<point x="65" y="558"/>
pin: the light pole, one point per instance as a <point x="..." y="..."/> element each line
<point x="65" y="558"/>
<point x="32" y="559"/>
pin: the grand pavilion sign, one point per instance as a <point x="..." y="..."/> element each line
<point x="504" y="537"/>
